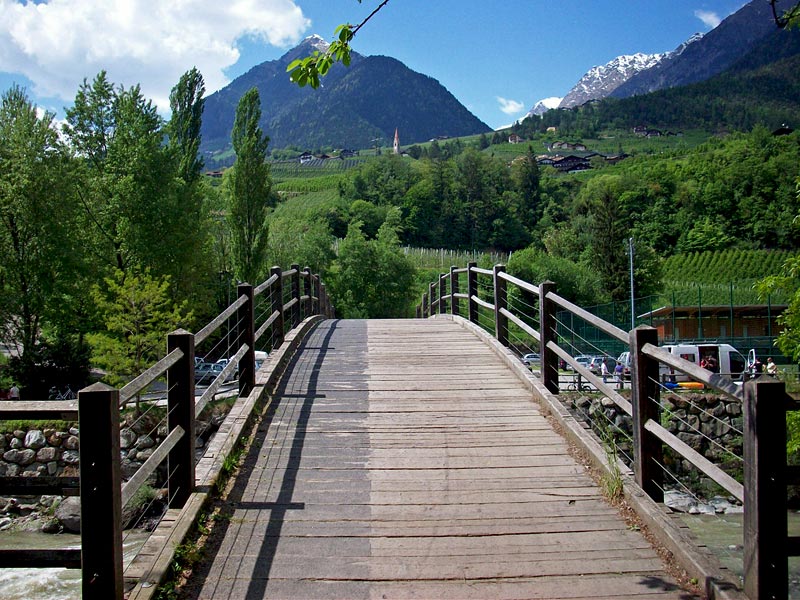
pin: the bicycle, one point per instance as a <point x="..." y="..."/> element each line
<point x="67" y="394"/>
<point x="578" y="385"/>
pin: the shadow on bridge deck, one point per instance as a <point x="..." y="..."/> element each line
<point x="403" y="459"/>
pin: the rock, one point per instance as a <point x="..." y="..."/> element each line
<point x="51" y="526"/>
<point x="127" y="438"/>
<point x="607" y="402"/>
<point x="72" y="443"/>
<point x="70" y="457"/>
<point x="74" y="431"/>
<point x="11" y="470"/>
<point x="25" y="457"/>
<point x="35" y="439"/>
<point x="16" y="444"/>
<point x="5" y="523"/>
<point x="702" y="509"/>
<point x="678" y="501"/>
<point x="144" y="441"/>
<point x="734" y="409"/>
<point x="143" y="455"/>
<point x="47" y="454"/>
<point x="19" y="434"/>
<point x="54" y="440"/>
<point x="68" y="514"/>
<point x="52" y="468"/>
<point x="129" y="468"/>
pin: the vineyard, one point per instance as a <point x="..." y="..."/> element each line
<point x="721" y="277"/>
<point x="316" y="167"/>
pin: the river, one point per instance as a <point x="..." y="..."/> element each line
<point x="52" y="584"/>
<point x="722" y="535"/>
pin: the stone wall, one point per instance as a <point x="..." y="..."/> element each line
<point x="709" y="423"/>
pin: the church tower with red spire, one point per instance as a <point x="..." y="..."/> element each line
<point x="396" y="145"/>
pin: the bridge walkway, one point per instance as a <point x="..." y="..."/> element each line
<point x="403" y="459"/>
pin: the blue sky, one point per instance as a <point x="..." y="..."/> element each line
<point x="498" y="58"/>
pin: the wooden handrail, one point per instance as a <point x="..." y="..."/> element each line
<point x="136" y="385"/>
<point x="201" y="335"/>
<point x="149" y="466"/>
<point x="612" y="330"/>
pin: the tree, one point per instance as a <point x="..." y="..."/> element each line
<point x="138" y="313"/>
<point x="37" y="222"/>
<point x="373" y="278"/>
<point x="186" y="102"/>
<point x="249" y="186"/>
<point x="609" y="232"/>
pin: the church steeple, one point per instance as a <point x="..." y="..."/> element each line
<point x="396" y="145"/>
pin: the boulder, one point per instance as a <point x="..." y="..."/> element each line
<point x="70" y="457"/>
<point x="127" y="438"/>
<point x="72" y="443"/>
<point x="68" y="514"/>
<point x="35" y="439"/>
<point x="47" y="454"/>
<point x="144" y="442"/>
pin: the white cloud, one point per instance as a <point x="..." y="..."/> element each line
<point x="56" y="44"/>
<point x="510" y="107"/>
<point x="709" y="18"/>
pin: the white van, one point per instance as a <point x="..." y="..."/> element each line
<point x="718" y="358"/>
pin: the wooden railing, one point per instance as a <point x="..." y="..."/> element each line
<point x="765" y="402"/>
<point x="284" y="300"/>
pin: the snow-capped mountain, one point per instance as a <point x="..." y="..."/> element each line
<point x="542" y="106"/>
<point x="600" y="81"/>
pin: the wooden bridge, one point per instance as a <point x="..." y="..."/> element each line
<point x="405" y="459"/>
<point x="415" y="458"/>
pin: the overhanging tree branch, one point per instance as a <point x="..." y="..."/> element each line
<point x="307" y="71"/>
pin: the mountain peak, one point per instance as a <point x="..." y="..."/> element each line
<point x="316" y="41"/>
<point x="600" y="81"/>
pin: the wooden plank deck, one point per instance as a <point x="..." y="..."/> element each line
<point x="402" y="459"/>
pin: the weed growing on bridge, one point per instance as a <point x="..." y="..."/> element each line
<point x="610" y="480"/>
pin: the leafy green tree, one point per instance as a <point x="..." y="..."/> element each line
<point x="249" y="187"/>
<point x="38" y="241"/>
<point x="575" y="282"/>
<point x="186" y="102"/>
<point x="138" y="312"/>
<point x="373" y="278"/>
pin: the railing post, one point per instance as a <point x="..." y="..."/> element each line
<point x="308" y="290"/>
<point x="442" y="293"/>
<point x="453" y="291"/>
<point x="245" y="318"/>
<point x="765" y="522"/>
<point x="425" y="305"/>
<point x="325" y="304"/>
<point x="547" y="333"/>
<point x="180" y="410"/>
<point x="472" y="291"/>
<point x="315" y="295"/>
<point x="296" y="295"/>
<point x="500" y="304"/>
<point x="277" y="305"/>
<point x="101" y="495"/>
<point x="647" y="448"/>
<point x="432" y="296"/>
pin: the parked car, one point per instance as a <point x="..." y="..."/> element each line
<point x="596" y="361"/>
<point x="205" y="373"/>
<point x="582" y="360"/>
<point x="531" y="359"/>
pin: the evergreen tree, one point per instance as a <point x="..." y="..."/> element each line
<point x="249" y="187"/>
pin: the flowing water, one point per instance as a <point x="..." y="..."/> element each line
<point x="722" y="534"/>
<point x="51" y="584"/>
